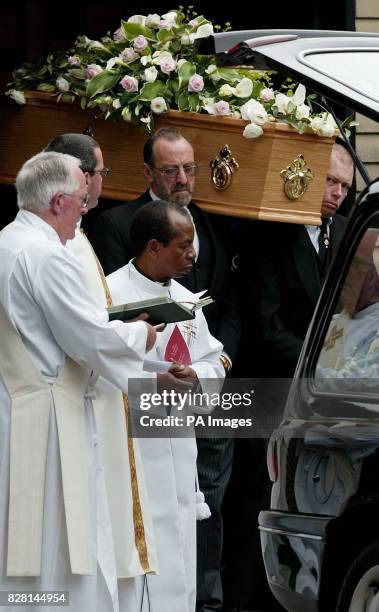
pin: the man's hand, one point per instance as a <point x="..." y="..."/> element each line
<point x="184" y="372"/>
<point x="169" y="382"/>
<point x="151" y="331"/>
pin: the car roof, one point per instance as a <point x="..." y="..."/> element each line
<point x="344" y="66"/>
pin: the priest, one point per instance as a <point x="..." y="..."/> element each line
<point x="55" y="530"/>
<point x="162" y="239"/>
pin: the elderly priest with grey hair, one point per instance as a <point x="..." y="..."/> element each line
<point x="55" y="530"/>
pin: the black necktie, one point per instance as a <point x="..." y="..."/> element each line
<point x="323" y="247"/>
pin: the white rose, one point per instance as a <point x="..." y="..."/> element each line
<point x="211" y="68"/>
<point x="145" y="59"/>
<point x="17" y="96"/>
<point x="170" y="18"/>
<point x="62" y="84"/>
<point x="153" y="19"/>
<point x="244" y="88"/>
<point x="316" y="124"/>
<point x="324" y="125"/>
<point x="150" y="74"/>
<point x="252" y="131"/>
<point x="204" y="30"/>
<point x="116" y="103"/>
<point x="141" y="19"/>
<point x="159" y="56"/>
<point x="302" y="111"/>
<point x="158" y="105"/>
<point x="283" y="104"/>
<point x="327" y="130"/>
<point x="226" y="90"/>
<point x="254" y="111"/>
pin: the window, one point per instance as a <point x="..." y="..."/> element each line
<point x="350" y="351"/>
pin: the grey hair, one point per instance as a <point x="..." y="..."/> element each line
<point x="44" y="175"/>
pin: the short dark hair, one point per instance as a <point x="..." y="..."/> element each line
<point x="167" y="133"/>
<point x="152" y="220"/>
<point x="81" y="146"/>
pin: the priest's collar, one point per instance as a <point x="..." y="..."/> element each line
<point x="166" y="283"/>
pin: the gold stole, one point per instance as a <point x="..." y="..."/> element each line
<point x="139" y="529"/>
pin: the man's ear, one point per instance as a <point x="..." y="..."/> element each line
<point x="147" y="172"/>
<point x="56" y="204"/>
<point x="153" y="248"/>
<point x="88" y="177"/>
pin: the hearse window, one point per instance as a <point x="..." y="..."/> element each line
<point x="351" y="347"/>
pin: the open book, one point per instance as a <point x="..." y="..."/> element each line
<point x="160" y="310"/>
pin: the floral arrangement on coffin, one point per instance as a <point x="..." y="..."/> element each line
<point x="150" y="65"/>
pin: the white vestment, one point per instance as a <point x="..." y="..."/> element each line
<point x="170" y="463"/>
<point x="44" y="296"/>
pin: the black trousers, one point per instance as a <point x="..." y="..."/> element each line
<point x="214" y="464"/>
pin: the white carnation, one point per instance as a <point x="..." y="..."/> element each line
<point x="150" y="74"/>
<point x="252" y="130"/>
<point x="158" y="105"/>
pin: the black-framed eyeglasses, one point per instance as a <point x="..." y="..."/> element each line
<point x="104" y="172"/>
<point x="84" y="199"/>
<point x="173" y="171"/>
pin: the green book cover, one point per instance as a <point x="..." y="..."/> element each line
<point x="160" y="310"/>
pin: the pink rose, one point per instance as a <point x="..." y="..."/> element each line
<point x="74" y="60"/>
<point x="222" y="108"/>
<point x="128" y="55"/>
<point x="92" y="70"/>
<point x="119" y="35"/>
<point x="196" y="83"/>
<point x="267" y="94"/>
<point x="139" y="43"/>
<point x="129" y="83"/>
<point x="167" y="64"/>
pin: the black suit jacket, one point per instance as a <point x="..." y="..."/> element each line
<point x="111" y="242"/>
<point x="283" y="285"/>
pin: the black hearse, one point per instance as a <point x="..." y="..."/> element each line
<point x="320" y="538"/>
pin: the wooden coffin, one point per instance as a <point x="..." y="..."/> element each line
<point x="256" y="190"/>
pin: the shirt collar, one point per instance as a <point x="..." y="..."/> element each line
<point x="26" y="217"/>
<point x="149" y="284"/>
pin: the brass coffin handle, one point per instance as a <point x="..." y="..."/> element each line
<point x="223" y="168"/>
<point x="296" y="178"/>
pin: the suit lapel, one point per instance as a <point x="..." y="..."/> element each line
<point x="305" y="261"/>
<point x="205" y="232"/>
